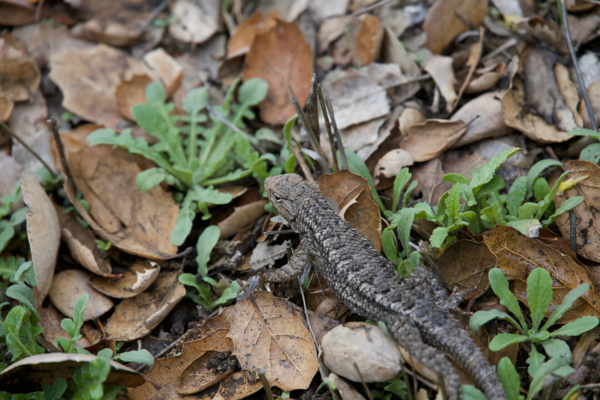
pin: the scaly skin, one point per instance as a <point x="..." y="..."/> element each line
<point x="413" y="309"/>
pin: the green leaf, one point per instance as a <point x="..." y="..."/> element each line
<point x="535" y="361"/>
<point x="150" y="120"/>
<point x="23" y="295"/>
<point x="388" y="245"/>
<point x="516" y="195"/>
<point x="527" y="227"/>
<point x="585" y="132"/>
<point x="558" y="348"/>
<point x="155" y="93"/>
<point x="411" y="187"/>
<point x="19" y="216"/>
<point x="206" y="242"/>
<point x="577" y="327"/>
<point x="79" y="309"/>
<point x="184" y="221"/>
<point x="453" y="203"/>
<point x="358" y="166"/>
<point x="505" y="339"/>
<point x="482" y="317"/>
<point x="438" y="236"/>
<point x="539" y="295"/>
<point x="567" y="205"/>
<point x="482" y="175"/>
<point x="149" y="178"/>
<point x="7" y="232"/>
<point x="472" y="393"/>
<point x="195" y="101"/>
<point x="456" y="178"/>
<point x="268" y="135"/>
<point x="496" y="183"/>
<point x="399" y="182"/>
<point x="405" y="220"/>
<point x="591" y="153"/>
<point x="228" y="294"/>
<point x="509" y="378"/>
<point x="189" y="280"/>
<point x="56" y="390"/>
<point x="507" y="299"/>
<point x="544" y="204"/>
<point x="551" y="366"/>
<point x="253" y="91"/>
<point x="536" y="170"/>
<point x="567" y="303"/>
<point x="528" y="210"/>
<point x="136" y="356"/>
<point x="540" y="189"/>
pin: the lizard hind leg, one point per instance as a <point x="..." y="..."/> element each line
<point x="408" y="336"/>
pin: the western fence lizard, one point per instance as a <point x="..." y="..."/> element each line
<point x="368" y="284"/>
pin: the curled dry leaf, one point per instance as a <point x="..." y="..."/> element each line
<point x="247" y="30"/>
<point x="445" y="18"/>
<point x="134" y="280"/>
<point x="362" y="346"/>
<point x="441" y="70"/>
<point x="82" y="244"/>
<point x="31" y="373"/>
<point x="409" y="117"/>
<point x="50" y="319"/>
<point x="281" y="57"/>
<point x="193" y="23"/>
<point x="430" y="138"/>
<point x="465" y="265"/>
<point x="43" y="233"/>
<point x="587" y="219"/>
<point x="268" y="335"/>
<point x="135" y="317"/>
<point x="518" y="255"/>
<point x="391" y="163"/>
<point x="241" y="217"/>
<point x="68" y="286"/>
<point x="19" y="73"/>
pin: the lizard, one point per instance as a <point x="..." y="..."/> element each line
<point x="367" y="284"/>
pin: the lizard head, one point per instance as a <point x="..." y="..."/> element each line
<point x="284" y="191"/>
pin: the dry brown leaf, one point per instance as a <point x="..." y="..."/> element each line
<point x="68" y="286"/>
<point x="268" y="335"/>
<point x="82" y="244"/>
<point x="11" y="173"/>
<point x="43" y="233"/>
<point x="137" y="316"/>
<point x="440" y="69"/>
<point x="19" y="73"/>
<point x="518" y="255"/>
<point x="247" y="30"/>
<point x="166" y="68"/>
<point x="17" y="14"/>
<point x="347" y="391"/>
<point x="134" y="280"/>
<point x="114" y="33"/>
<point x="546" y="31"/>
<point x="587" y="229"/>
<point x="465" y="265"/>
<point x="409" y="117"/>
<point x="429" y="175"/>
<point x="6" y="107"/>
<point x="442" y="24"/>
<point x="430" y="138"/>
<point x="241" y="217"/>
<point x="391" y="163"/>
<point x="88" y="79"/>
<point x="579" y="5"/>
<point x="330" y="30"/>
<point x="50" y="319"/>
<point x="137" y="223"/>
<point x="281" y="57"/>
<point x="31" y="373"/>
<point x="131" y="92"/>
<point x="193" y="23"/>
<point x="363" y="215"/>
<point x="368" y="39"/>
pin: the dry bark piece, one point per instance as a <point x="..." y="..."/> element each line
<point x="445" y="18"/>
<point x="518" y="255"/>
<point x="586" y="214"/>
<point x="363" y="346"/>
<point x="31" y="373"/>
<point x="19" y="73"/>
<point x="268" y="331"/>
<point x="43" y="234"/>
<point x="50" y="319"/>
<point x="135" y="317"/>
<point x="68" y="286"/>
<point x="193" y="23"/>
<point x="430" y="138"/>
<point x="281" y="57"/>
<point x="134" y="281"/>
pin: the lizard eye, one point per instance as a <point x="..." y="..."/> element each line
<point x="276" y="197"/>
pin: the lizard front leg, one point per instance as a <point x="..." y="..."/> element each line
<point x="293" y="268"/>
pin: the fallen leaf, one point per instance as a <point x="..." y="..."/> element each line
<point x="135" y="317"/>
<point x="282" y="58"/>
<point x="166" y="68"/>
<point x="430" y="138"/>
<point x="247" y="30"/>
<point x="50" y="319"/>
<point x="391" y="163"/>
<point x="440" y="69"/>
<point x="429" y="175"/>
<point x="587" y="233"/>
<point x="6" y="107"/>
<point x="363" y="215"/>
<point x="11" y="173"/>
<point x="265" y="255"/>
<point x="43" y="233"/>
<point x="131" y="92"/>
<point x="347" y="391"/>
<point x="518" y="255"/>
<point x="134" y="280"/>
<point x="330" y="30"/>
<point x="465" y="265"/>
<point x="19" y="73"/>
<point x="546" y="31"/>
<point x="31" y="373"/>
<point x="578" y="5"/>
<point x="114" y="33"/>
<point x="193" y="23"/>
<point x="268" y="335"/>
<point x="241" y="217"/>
<point x="368" y="39"/>
<point x="443" y="23"/>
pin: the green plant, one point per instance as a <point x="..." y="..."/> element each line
<point x="102" y="245"/>
<point x="395" y="386"/>
<point x="51" y="182"/>
<point x="204" y="297"/>
<point x="20" y="327"/>
<point x="88" y="381"/>
<point x="17" y="270"/>
<point x="72" y="326"/>
<point x="539" y="296"/>
<point x="591" y="152"/>
<point x="7" y="226"/>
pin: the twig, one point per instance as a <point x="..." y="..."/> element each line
<point x="312" y="107"/>
<point x="552" y="153"/>
<point x="308" y="319"/>
<point x="336" y="132"/>
<point x="231" y="126"/>
<point x="303" y="165"/>
<point x="586" y="99"/>
<point x="351" y="46"/>
<point x="369" y="8"/>
<point x="265" y="383"/>
<point x="364" y="385"/>
<point x="471" y="71"/>
<point x="163" y="4"/>
<point x="9" y="131"/>
<point x="38" y="11"/>
<point x="63" y="157"/>
<point x="314" y="141"/>
<point x="419" y="78"/>
<point x="462" y="19"/>
<point x="285" y="232"/>
<point x="328" y="127"/>
<point x="573" y="231"/>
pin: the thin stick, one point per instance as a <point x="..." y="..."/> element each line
<point x="471" y="71"/>
<point x="163" y="4"/>
<point x="328" y="126"/>
<point x="586" y="99"/>
<point x="336" y="132"/>
<point x="230" y="125"/>
<point x="371" y="7"/>
<point x="303" y="165"/>
<point x="9" y="131"/>
<point x="266" y="386"/>
<point x="311" y="136"/>
<point x="63" y="157"/>
<point x="362" y="380"/>
<point x="308" y="319"/>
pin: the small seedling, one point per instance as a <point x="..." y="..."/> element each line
<point x="8" y="225"/>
